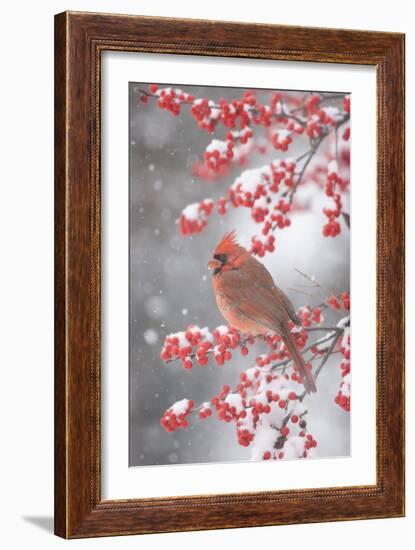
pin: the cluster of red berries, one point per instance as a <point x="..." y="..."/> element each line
<point x="328" y="116"/>
<point x="229" y="113"/>
<point x="281" y="139"/>
<point x="205" y="410"/>
<point x="239" y="195"/>
<point x="259" y="213"/>
<point x="227" y="339"/>
<point x="203" y="172"/>
<point x="310" y="316"/>
<point x="339" y="303"/>
<point x="175" y="417"/>
<point x="243" y="136"/>
<point x="282" y="205"/>
<point x="244" y="436"/>
<point x="170" y="99"/>
<point x="333" y="302"/>
<point x="259" y="247"/>
<point x="319" y="117"/>
<point x="208" y="114"/>
<point x="266" y="359"/>
<point x="294" y="126"/>
<point x="230" y="406"/>
<point x="195" y="344"/>
<point x="205" y="113"/>
<point x="217" y="165"/>
<point x="241" y="110"/>
<point x="332" y="227"/>
<point x="309" y="441"/>
<point x="193" y="218"/>
<point x="268" y="179"/>
<point x="279" y="220"/>
<point x="276" y="218"/>
<point x="342" y="400"/>
<point x="244" y="109"/>
<point x="226" y="411"/>
<point x="333" y="178"/>
<point x="218" y="154"/>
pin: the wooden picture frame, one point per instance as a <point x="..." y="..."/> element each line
<point x="79" y="40"/>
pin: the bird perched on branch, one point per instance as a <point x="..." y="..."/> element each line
<point x="251" y="302"/>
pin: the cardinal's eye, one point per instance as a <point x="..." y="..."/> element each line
<point x="222" y="258"/>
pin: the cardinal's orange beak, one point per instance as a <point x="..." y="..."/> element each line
<point x="214" y="264"/>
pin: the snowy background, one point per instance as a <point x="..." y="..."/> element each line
<point x="170" y="287"/>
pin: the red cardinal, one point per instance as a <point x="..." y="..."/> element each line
<point x="251" y="302"/>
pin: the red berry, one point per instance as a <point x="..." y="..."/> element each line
<point x="203" y="360"/>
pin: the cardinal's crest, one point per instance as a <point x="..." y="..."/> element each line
<point x="228" y="243"/>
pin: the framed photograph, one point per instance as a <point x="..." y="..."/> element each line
<point x="229" y="280"/>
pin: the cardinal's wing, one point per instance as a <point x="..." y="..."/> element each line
<point x="263" y="275"/>
<point x="254" y="296"/>
<point x="288" y="305"/>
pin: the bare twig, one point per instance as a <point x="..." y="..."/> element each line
<point x="314" y="283"/>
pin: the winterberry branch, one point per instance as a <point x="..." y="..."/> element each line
<point x="253" y="110"/>
<point x="263" y="393"/>
<point x="263" y="190"/>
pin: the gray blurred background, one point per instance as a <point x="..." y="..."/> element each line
<point x="170" y="286"/>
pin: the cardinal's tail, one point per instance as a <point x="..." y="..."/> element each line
<point x="306" y="376"/>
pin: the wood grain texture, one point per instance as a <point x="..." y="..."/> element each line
<point x="60" y="277"/>
<point x="79" y="40"/>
